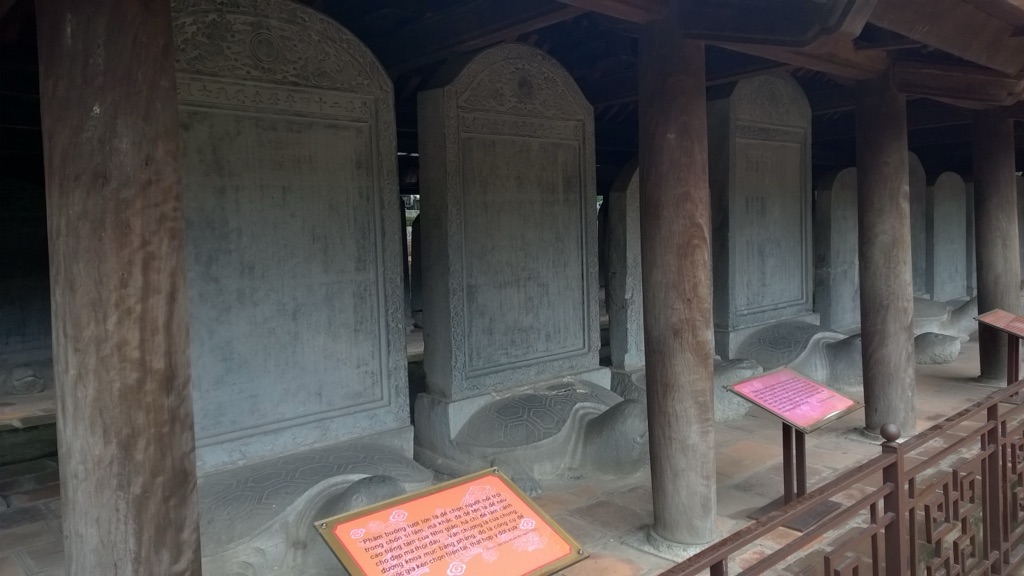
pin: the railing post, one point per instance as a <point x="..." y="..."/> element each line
<point x="896" y="504"/>
<point x="994" y="490"/>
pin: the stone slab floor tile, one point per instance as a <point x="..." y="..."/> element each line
<point x="24" y="537"/>
<point x="604" y="565"/>
<point x="11" y="566"/>
<point x="610" y="517"/>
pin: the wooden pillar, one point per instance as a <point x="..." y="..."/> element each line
<point x="886" y="277"/>
<point x="676" y="274"/>
<point x="120" y="332"/>
<point x="995" y="233"/>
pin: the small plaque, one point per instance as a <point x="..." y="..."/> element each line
<point x="1003" y="321"/>
<point x="800" y="401"/>
<point x="479" y="524"/>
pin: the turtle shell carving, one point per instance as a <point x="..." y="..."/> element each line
<point x="530" y="417"/>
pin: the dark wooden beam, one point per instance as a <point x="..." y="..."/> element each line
<point x="465" y="28"/>
<point x="1016" y="111"/>
<point x="621" y="88"/>
<point x="961" y="83"/>
<point x="639" y="11"/>
<point x="838" y="57"/>
<point x="1009" y="11"/>
<point x="957" y="27"/>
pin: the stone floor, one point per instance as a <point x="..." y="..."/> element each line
<point x="607" y="517"/>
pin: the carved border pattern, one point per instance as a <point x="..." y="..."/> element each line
<point x="293" y="101"/>
<point x="273" y="40"/>
<point x="523" y="127"/>
<point x="770" y="133"/>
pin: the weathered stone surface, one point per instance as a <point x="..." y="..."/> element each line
<point x="972" y="262"/>
<point x="939" y="318"/>
<point x="829" y="357"/>
<point x="26" y="372"/>
<point x="836" y="284"/>
<point x="759" y="150"/>
<point x="625" y="286"/>
<point x="1020" y="218"/>
<point x="511" y="292"/>
<point x="294" y="262"/>
<point x="947" y="238"/>
<point x="932" y="348"/>
<point x="295" y="282"/>
<point x="918" y="223"/>
<point x="556" y="431"/>
<point x="258" y="519"/>
<point x="509" y="224"/>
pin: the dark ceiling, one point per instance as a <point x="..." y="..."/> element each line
<point x="412" y="38"/>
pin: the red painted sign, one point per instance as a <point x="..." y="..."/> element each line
<point x="802" y="402"/>
<point x="478" y="525"/>
<point x="1003" y="320"/>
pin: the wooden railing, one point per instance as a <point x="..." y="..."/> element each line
<point x="946" y="502"/>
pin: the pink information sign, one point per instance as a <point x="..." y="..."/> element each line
<point x="1003" y="320"/>
<point x="798" y="400"/>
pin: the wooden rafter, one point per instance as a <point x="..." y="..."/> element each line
<point x="838" y="57"/>
<point x="639" y="11"/>
<point x="957" y="27"/>
<point x="1009" y="11"/>
<point x="475" y="25"/>
<point x="957" y="83"/>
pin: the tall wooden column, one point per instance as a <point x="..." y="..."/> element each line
<point x="995" y="232"/>
<point x="676" y="269"/>
<point x="886" y="277"/>
<point x="120" y="334"/>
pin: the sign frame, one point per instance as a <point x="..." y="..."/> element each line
<point x="854" y="406"/>
<point x="987" y="317"/>
<point x="326" y="527"/>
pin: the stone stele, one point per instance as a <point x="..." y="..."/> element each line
<point x="759" y="140"/>
<point x="947" y="238"/>
<point x="836" y="276"/>
<point x="625" y="306"/>
<point x="511" y="292"/>
<point x="294" y="279"/>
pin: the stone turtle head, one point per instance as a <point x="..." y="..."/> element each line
<point x="615" y="442"/>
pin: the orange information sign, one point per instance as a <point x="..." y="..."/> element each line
<point x="1005" y="321"/>
<point x="481" y="524"/>
<point x="800" y="401"/>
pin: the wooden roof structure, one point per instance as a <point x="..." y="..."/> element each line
<point x="947" y="56"/>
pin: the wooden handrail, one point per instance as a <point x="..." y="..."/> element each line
<point x="995" y="462"/>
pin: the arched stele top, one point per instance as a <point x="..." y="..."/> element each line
<point x="771" y="98"/>
<point x="947" y="179"/>
<point x="273" y="41"/>
<point x="515" y="79"/>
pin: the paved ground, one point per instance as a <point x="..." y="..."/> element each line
<point x="608" y="517"/>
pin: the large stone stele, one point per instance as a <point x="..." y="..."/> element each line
<point x="836" y="275"/>
<point x="294" y="280"/>
<point x="625" y="307"/>
<point x="511" y="290"/>
<point x="918" y="224"/>
<point x="759" y="148"/>
<point x="947" y="238"/>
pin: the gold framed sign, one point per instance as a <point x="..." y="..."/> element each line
<point x="481" y="524"/>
